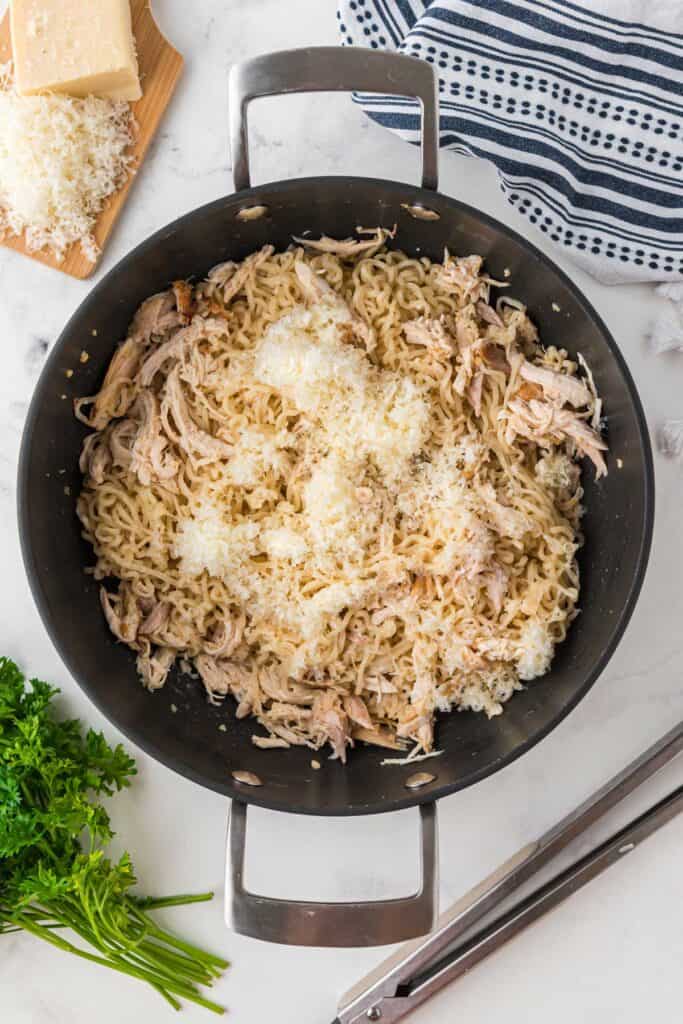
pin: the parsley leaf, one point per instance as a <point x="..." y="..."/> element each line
<point x="54" y="872"/>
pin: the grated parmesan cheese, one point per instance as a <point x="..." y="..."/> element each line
<point x="256" y="453"/>
<point x="60" y="159"/>
<point x="450" y="511"/>
<point x="393" y="423"/>
<point x="556" y="471"/>
<point x="283" y="543"/>
<point x="535" y="650"/>
<point x="360" y="408"/>
<point x="335" y="522"/>
<point x="329" y="602"/>
<point x="207" y="541"/>
<point x="302" y="356"/>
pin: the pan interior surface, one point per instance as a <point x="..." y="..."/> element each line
<point x="176" y="724"/>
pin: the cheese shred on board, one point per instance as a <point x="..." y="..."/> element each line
<point x="60" y="160"/>
<point x="343" y="489"/>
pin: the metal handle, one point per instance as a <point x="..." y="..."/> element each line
<point x="333" y="69"/>
<point x="304" y="923"/>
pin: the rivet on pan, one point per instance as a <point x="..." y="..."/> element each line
<point x="252" y="212"/>
<point x="420" y="212"/>
<point x="374" y="1013"/>
<point x="418" y="779"/>
<point x="247" y="778"/>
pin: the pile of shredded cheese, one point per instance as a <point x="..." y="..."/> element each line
<point x="60" y="159"/>
<point x="360" y="408"/>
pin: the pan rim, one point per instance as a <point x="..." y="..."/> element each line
<point x="230" y="788"/>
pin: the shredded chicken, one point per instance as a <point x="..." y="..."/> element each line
<point x="475" y="391"/>
<point x="216" y="279"/>
<point x="225" y="638"/>
<point x="181" y="428"/>
<point x="547" y="425"/>
<point x="527" y="390"/>
<point x="419" y="729"/>
<point x="461" y="275"/>
<point x="466" y="367"/>
<point x="285" y="690"/>
<point x="95" y="458"/>
<point x="507" y="521"/>
<point x="156" y="619"/>
<point x="331" y="724"/>
<point x="244" y="272"/>
<point x="184" y="299"/>
<point x="357" y="711"/>
<point x="558" y="386"/>
<point x="339" y="594"/>
<point x="349" y="248"/>
<point x="151" y="457"/>
<point x="123" y="623"/>
<point x="154" y="668"/>
<point x="488" y="314"/>
<point x="378" y="737"/>
<point x="596" y="418"/>
<point x="120" y="436"/>
<point x="431" y="333"/>
<point x="156" y="316"/>
<point x="270" y="742"/>
<point x="316" y="289"/>
<point x="215" y="676"/>
<point x="172" y="350"/>
<point x="494" y="357"/>
<point x="117" y="392"/>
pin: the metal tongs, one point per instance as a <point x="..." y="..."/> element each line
<point x="421" y="967"/>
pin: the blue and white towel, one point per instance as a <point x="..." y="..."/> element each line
<point x="579" y="105"/>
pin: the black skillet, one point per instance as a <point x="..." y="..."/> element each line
<point x="176" y="725"/>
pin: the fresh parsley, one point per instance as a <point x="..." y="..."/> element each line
<point x="54" y="830"/>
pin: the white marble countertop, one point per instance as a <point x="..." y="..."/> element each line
<point x="614" y="952"/>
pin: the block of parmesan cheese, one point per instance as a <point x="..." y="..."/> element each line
<point x="77" y="47"/>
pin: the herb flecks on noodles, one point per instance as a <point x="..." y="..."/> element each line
<point x="344" y="488"/>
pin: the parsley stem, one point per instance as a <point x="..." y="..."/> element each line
<point x="158" y="979"/>
<point x="56" y="881"/>
<point x="139" y="951"/>
<point x="168" y="997"/>
<point x="186" y="947"/>
<point x="156" y="903"/>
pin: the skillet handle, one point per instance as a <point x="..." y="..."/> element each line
<point x="333" y="69"/>
<point x="304" y="923"/>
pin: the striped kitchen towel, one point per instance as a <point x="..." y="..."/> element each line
<point x="579" y="106"/>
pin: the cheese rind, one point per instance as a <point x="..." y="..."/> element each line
<point x="74" y="47"/>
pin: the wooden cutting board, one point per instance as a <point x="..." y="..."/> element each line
<point x="160" y="68"/>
